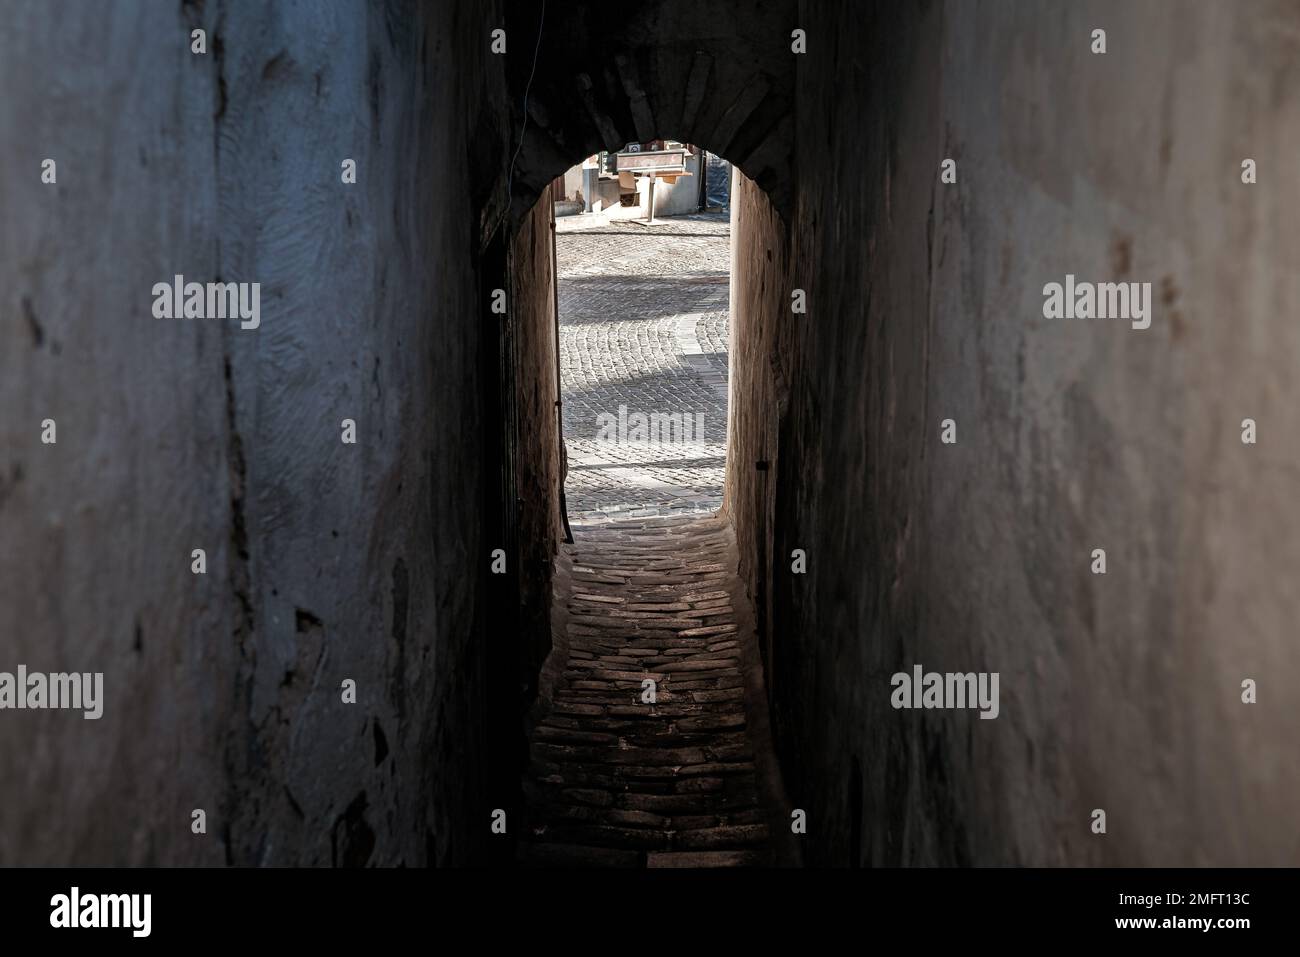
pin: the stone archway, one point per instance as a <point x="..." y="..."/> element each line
<point x="718" y="76"/>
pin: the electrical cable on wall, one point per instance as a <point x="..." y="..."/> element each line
<point x="523" y="127"/>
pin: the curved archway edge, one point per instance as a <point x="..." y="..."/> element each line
<point x="676" y="74"/>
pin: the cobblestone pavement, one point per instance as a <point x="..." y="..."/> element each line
<point x="643" y="329"/>
<point x="681" y="782"/>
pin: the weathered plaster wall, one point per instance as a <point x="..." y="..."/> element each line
<point x="758" y="393"/>
<point x="1120" y="691"/>
<point x="532" y="271"/>
<point x="325" y="561"/>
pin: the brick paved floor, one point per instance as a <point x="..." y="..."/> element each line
<point x="643" y="325"/>
<point x="688" y="780"/>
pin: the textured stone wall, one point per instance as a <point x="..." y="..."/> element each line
<point x="759" y="391"/>
<point x="1120" y="692"/>
<point x="532" y="271"/>
<point x="325" y="561"/>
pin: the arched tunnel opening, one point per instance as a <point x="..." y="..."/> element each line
<point x="649" y="741"/>
<point x="647" y="655"/>
<point x="647" y="735"/>
<point x="995" y="574"/>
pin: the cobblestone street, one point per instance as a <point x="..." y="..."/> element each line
<point x="643" y="329"/>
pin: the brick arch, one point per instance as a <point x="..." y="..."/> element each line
<point x="720" y="76"/>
